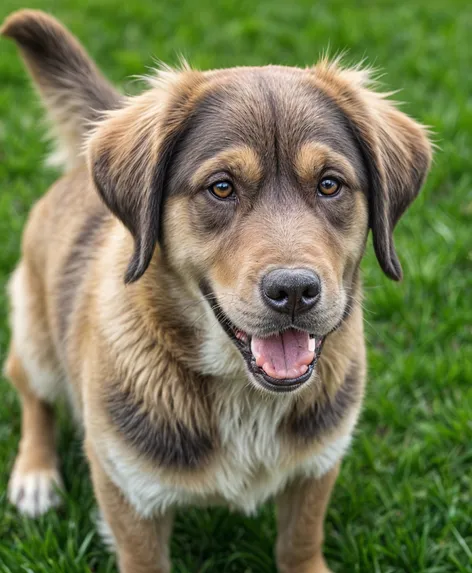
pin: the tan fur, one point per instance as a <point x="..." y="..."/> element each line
<point x="242" y="161"/>
<point x="300" y="514"/>
<point x="312" y="156"/>
<point x="117" y="314"/>
<point x="143" y="543"/>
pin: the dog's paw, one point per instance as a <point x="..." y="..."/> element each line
<point x="34" y="493"/>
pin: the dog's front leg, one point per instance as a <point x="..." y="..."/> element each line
<point x="301" y="510"/>
<point x="142" y="545"/>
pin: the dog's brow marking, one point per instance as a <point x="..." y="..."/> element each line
<point x="312" y="157"/>
<point x="327" y="413"/>
<point x="242" y="160"/>
<point x="170" y="443"/>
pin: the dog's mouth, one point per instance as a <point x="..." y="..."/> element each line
<point x="283" y="361"/>
<point x="280" y="362"/>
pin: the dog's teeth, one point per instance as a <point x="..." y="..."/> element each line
<point x="312" y="344"/>
<point x="240" y="335"/>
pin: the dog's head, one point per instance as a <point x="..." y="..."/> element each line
<point x="260" y="186"/>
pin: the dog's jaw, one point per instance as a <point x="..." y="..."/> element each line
<point x="262" y="372"/>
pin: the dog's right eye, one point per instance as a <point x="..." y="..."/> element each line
<point x="222" y="190"/>
<point x="329" y="186"/>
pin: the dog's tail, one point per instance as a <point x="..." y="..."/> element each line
<point x="72" y="88"/>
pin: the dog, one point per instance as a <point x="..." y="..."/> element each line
<point x="192" y="285"/>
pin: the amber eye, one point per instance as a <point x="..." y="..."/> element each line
<point x="329" y="186"/>
<point x="222" y="189"/>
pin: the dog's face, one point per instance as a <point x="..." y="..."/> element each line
<point x="267" y="211"/>
<point x="260" y="185"/>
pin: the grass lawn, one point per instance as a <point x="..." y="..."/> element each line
<point x="403" y="501"/>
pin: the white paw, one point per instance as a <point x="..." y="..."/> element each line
<point x="34" y="493"/>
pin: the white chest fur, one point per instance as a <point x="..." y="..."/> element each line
<point x="252" y="466"/>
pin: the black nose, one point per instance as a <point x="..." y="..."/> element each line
<point x="292" y="291"/>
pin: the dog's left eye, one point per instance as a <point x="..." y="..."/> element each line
<point x="222" y="190"/>
<point x="329" y="186"/>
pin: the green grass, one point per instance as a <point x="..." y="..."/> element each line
<point x="403" y="501"/>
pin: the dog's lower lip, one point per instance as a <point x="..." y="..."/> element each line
<point x="284" y="384"/>
<point x="243" y="342"/>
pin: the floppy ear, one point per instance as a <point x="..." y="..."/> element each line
<point x="398" y="154"/>
<point x="396" y="150"/>
<point x="129" y="154"/>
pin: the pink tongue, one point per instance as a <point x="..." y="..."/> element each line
<point x="286" y="355"/>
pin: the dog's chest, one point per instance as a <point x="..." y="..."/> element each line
<point x="257" y="460"/>
<point x="253" y="463"/>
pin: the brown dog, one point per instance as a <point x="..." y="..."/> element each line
<point x="192" y="283"/>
